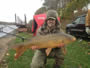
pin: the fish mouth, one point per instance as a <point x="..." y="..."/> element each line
<point x="73" y="39"/>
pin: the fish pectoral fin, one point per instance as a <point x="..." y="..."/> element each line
<point x="48" y="50"/>
<point x="64" y="50"/>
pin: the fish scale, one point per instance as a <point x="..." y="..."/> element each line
<point x="44" y="41"/>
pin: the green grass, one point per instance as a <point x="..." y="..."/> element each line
<point x="76" y="57"/>
<point x="22" y="62"/>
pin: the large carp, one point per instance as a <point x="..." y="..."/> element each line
<point x="45" y="41"/>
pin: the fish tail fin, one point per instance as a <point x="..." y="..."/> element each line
<point x="19" y="51"/>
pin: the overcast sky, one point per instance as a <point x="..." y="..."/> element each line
<point x="8" y="8"/>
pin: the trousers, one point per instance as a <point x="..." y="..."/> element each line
<point x="39" y="59"/>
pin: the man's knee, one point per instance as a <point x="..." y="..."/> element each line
<point x="37" y="65"/>
<point x="38" y="60"/>
<point x="59" y="59"/>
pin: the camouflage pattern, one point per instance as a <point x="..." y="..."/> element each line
<point x="40" y="58"/>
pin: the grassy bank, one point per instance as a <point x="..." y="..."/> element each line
<point x="77" y="56"/>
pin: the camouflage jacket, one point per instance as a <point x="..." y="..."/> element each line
<point x="45" y="30"/>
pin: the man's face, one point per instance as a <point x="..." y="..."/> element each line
<point x="51" y="22"/>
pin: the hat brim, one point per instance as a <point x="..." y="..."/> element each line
<point x="51" y="18"/>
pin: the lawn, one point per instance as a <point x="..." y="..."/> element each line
<point x="77" y="56"/>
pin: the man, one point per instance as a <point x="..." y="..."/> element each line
<point x="87" y="24"/>
<point x="50" y="26"/>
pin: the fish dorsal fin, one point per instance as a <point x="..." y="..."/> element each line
<point x="48" y="50"/>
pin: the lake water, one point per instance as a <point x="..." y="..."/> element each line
<point x="7" y="29"/>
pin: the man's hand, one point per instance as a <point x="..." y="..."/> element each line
<point x="61" y="45"/>
<point x="35" y="47"/>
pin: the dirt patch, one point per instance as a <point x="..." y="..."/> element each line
<point x="4" y="45"/>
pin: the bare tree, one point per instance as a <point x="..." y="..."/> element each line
<point x="55" y="4"/>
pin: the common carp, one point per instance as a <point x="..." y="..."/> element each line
<point x="45" y="41"/>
